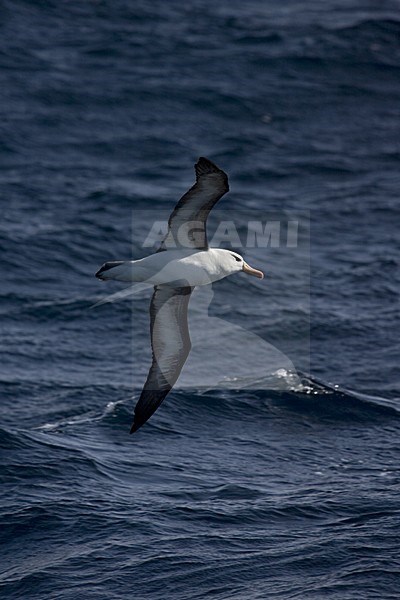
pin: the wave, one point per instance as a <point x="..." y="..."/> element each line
<point x="287" y="396"/>
<point x="308" y="399"/>
<point x="373" y="41"/>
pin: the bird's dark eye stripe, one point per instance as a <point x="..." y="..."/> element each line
<point x="236" y="258"/>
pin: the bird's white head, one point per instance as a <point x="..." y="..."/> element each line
<point x="233" y="263"/>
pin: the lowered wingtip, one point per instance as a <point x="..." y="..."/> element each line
<point x="134" y="427"/>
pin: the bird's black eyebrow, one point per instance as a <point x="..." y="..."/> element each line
<point x="236" y="257"/>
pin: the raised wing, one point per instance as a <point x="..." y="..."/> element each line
<point x="187" y="223"/>
<point x="170" y="342"/>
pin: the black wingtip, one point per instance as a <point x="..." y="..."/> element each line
<point x="204" y="166"/>
<point x="134" y="428"/>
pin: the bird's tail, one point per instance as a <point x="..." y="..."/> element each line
<point x="114" y="269"/>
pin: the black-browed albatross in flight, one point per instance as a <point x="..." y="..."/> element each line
<point x="183" y="262"/>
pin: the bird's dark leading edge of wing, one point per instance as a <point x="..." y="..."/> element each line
<point x="187" y="223"/>
<point x="170" y="342"/>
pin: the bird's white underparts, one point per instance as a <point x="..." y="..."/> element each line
<point x="179" y="268"/>
<point x="175" y="273"/>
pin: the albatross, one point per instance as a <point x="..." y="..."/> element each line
<point x="183" y="261"/>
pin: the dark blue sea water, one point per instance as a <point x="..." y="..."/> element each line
<point x="241" y="489"/>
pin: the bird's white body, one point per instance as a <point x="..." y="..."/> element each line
<point x="178" y="267"/>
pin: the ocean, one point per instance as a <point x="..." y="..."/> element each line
<point x="272" y="470"/>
